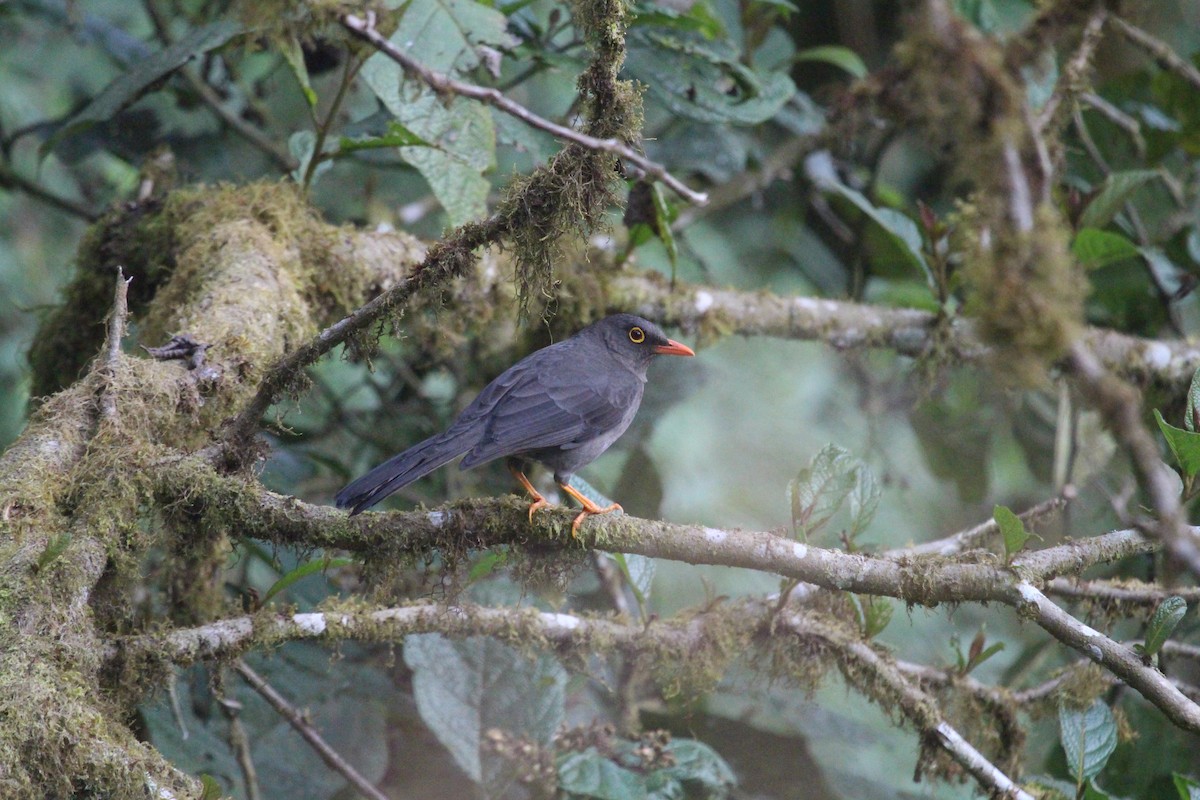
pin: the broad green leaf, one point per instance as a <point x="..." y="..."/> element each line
<point x="210" y="788"/>
<point x="303" y="571"/>
<point x="302" y="145"/>
<point x="639" y="571"/>
<point x="1185" y="446"/>
<point x="1094" y="792"/>
<point x="1167" y="274"/>
<point x="1096" y="248"/>
<point x="704" y="81"/>
<point x="487" y="564"/>
<point x="700" y="767"/>
<point x="294" y="56"/>
<point x="841" y="57"/>
<point x="864" y="500"/>
<point x="130" y="85"/>
<point x="443" y="35"/>
<point x="589" y="774"/>
<point x="397" y="136"/>
<point x="1112" y="195"/>
<point x="820" y="489"/>
<point x="697" y="18"/>
<point x="1188" y="789"/>
<point x="874" y="614"/>
<point x="902" y="230"/>
<point x="1193" y="403"/>
<point x="465" y="688"/>
<point x="1088" y="737"/>
<point x="1011" y="529"/>
<point x="1168" y="615"/>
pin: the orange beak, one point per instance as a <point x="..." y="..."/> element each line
<point x="674" y="348"/>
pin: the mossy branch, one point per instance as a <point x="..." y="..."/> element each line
<point x="866" y="668"/>
<point x="467" y="525"/>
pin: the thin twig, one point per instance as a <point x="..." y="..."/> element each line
<point x="294" y="718"/>
<point x="11" y="179"/>
<point x="282" y="159"/>
<point x="239" y="740"/>
<point x="443" y="84"/>
<point x="1109" y="591"/>
<point x="1117" y="117"/>
<point x="1160" y="50"/>
<point x="117" y="319"/>
<point x="1074" y="71"/>
<point x="976" y="535"/>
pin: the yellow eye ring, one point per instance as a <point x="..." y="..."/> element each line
<point x="637" y="335"/>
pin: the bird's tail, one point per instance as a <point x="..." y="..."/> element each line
<point x="399" y="471"/>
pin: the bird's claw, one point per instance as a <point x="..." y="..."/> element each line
<point x="589" y="512"/>
<point x="539" y="503"/>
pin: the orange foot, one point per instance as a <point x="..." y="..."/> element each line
<point x="538" y="500"/>
<point x="589" y="509"/>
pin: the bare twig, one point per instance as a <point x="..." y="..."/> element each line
<point x="1075" y="70"/>
<point x="977" y="535"/>
<point x="1117" y="117"/>
<point x="1160" y="50"/>
<point x="282" y="159"/>
<point x="1109" y="591"/>
<point x="294" y="718"/>
<point x="239" y="740"/>
<point x="11" y="179"/>
<point x="443" y="84"/>
<point x="112" y="344"/>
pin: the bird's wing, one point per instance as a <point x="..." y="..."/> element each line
<point x="549" y="407"/>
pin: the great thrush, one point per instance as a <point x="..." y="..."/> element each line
<point x="562" y="406"/>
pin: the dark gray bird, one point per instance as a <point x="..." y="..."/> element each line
<point x="563" y="406"/>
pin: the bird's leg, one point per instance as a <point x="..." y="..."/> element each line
<point x="514" y="467"/>
<point x="589" y="508"/>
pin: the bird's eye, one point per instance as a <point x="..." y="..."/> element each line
<point x="637" y="335"/>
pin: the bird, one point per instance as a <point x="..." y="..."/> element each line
<point x="561" y="406"/>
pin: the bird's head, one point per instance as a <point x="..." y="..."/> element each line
<point x="637" y="340"/>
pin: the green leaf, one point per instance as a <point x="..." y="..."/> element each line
<point x="1112" y="195"/>
<point x="1096" y="248"/>
<point x="1193" y="403"/>
<point x="698" y="18"/>
<point x="698" y="766"/>
<point x="864" y="500"/>
<point x="1185" y="446"/>
<point x="303" y="571"/>
<point x="54" y="548"/>
<point x="397" y="136"/>
<point x="902" y="230"/>
<point x="1094" y="792"/>
<point x="487" y="564"/>
<point x="589" y="774"/>
<point x="210" y="789"/>
<point x="874" y="614"/>
<point x="1188" y="789"/>
<point x="1011" y="529"/>
<point x="459" y="136"/>
<point x="1168" y="614"/>
<point x="704" y="81"/>
<point x="130" y="85"/>
<point x="294" y="56"/>
<point x="1088" y="737"/>
<point x="662" y="223"/>
<point x="465" y="688"/>
<point x="984" y="655"/>
<point x="841" y="57"/>
<point x="819" y="490"/>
